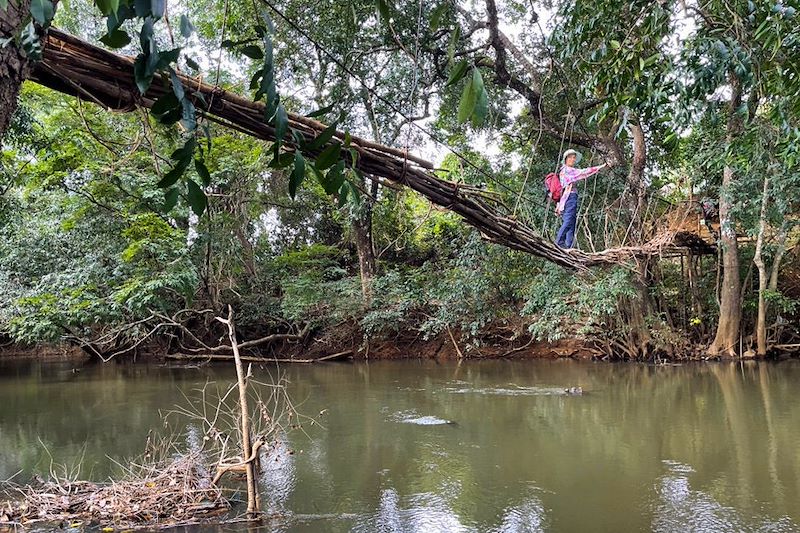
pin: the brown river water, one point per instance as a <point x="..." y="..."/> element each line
<point x="492" y="446"/>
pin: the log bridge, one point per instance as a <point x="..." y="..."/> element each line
<point x="73" y="66"/>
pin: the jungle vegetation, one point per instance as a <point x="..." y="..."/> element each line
<point x="124" y="233"/>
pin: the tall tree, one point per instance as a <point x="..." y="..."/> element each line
<point x="741" y="49"/>
<point x="14" y="63"/>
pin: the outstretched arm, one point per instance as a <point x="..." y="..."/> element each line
<point x="571" y="175"/>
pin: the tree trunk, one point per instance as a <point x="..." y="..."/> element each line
<point x="636" y="186"/>
<point x="730" y="310"/>
<point x="362" y="222"/>
<point x="779" y="253"/>
<point x="14" y="66"/>
<point x="362" y="236"/>
<point x="640" y="305"/>
<point x="758" y="259"/>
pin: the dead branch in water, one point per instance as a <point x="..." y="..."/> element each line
<point x="174" y="491"/>
<point x="253" y="503"/>
<point x="181" y="488"/>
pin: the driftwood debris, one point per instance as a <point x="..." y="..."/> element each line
<point x="78" y="68"/>
<point x="178" y="491"/>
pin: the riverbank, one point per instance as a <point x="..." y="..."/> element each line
<point x="441" y="348"/>
<point x="446" y="346"/>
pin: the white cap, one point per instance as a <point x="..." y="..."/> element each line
<point x="570" y="152"/>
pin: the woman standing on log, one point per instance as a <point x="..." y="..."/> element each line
<point x="568" y="205"/>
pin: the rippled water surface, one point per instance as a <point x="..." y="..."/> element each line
<point x="482" y="446"/>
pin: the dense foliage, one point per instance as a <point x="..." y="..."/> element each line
<point x="120" y="226"/>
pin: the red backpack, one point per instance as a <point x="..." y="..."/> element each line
<point x="553" y="186"/>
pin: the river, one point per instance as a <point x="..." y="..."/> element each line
<point x="484" y="446"/>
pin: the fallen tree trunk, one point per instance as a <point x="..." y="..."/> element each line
<point x="78" y="68"/>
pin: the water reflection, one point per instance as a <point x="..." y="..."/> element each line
<point x="494" y="446"/>
<point x="680" y="508"/>
<point x="422" y="513"/>
<point x="528" y="517"/>
<point x="277" y="477"/>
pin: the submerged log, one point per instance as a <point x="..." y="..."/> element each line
<point x="78" y="68"/>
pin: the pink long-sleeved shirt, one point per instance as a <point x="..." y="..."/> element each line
<point x="568" y="176"/>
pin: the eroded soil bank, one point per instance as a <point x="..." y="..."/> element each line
<point x="351" y="346"/>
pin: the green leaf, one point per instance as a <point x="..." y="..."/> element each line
<point x="42" y="12"/>
<point x="651" y="60"/>
<point x="267" y="20"/>
<point x="170" y="199"/>
<point x="282" y="160"/>
<point x="143" y="80"/>
<point x="252" y="51"/>
<point x="281" y="123"/>
<point x="343" y="193"/>
<point x="436" y="16"/>
<point x="454" y="38"/>
<point x="199" y="97"/>
<point x="105" y="6"/>
<point x="187" y="28"/>
<point x="468" y="99"/>
<point x="298" y="174"/>
<point x="207" y="133"/>
<point x="188" y="115"/>
<point x="146" y="36"/>
<point x="165" y="104"/>
<point x="615" y="44"/>
<point x="320" y="140"/>
<point x="328" y="157"/>
<point x="321" y="112"/>
<point x="177" y="86"/>
<point x="336" y="177"/>
<point x="202" y="171"/>
<point x="383" y="11"/>
<point x="458" y="72"/>
<point x="167" y="57"/>
<point x="116" y="39"/>
<point x="184" y="153"/>
<point x="355" y="193"/>
<point x="174" y="174"/>
<point x="3" y="4"/>
<point x="299" y="138"/>
<point x="197" y="198"/>
<point x="171" y="117"/>
<point x="481" y="108"/>
<point x="142" y="8"/>
<point x="158" y="8"/>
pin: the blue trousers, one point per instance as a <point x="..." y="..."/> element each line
<point x="566" y="235"/>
